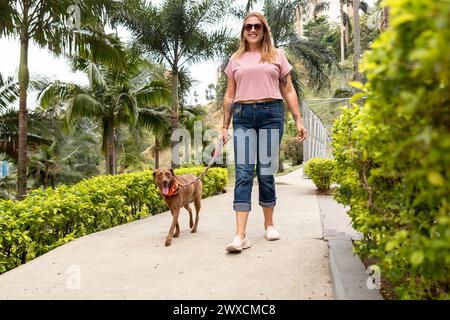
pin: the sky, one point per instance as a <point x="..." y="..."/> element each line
<point x="42" y="62"/>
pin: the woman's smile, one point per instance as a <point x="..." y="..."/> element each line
<point x="253" y="33"/>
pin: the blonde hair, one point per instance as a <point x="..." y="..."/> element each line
<point x="267" y="49"/>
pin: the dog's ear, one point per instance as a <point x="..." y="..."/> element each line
<point x="154" y="174"/>
<point x="172" y="172"/>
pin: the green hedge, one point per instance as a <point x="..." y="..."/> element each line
<point x="393" y="154"/>
<point x="293" y="150"/>
<point x="46" y="219"/>
<point x="320" y="170"/>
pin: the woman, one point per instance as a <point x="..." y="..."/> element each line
<point x="258" y="78"/>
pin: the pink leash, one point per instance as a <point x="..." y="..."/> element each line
<point x="214" y="157"/>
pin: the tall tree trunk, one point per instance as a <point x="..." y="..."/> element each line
<point x="386" y="17"/>
<point x="298" y="21"/>
<point x="123" y="163"/>
<point x="46" y="177"/>
<point x="350" y="8"/>
<point x="174" y="114"/>
<point x="113" y="155"/>
<point x="347" y="26"/>
<point x="357" y="42"/>
<point x="24" y="78"/>
<point x="111" y="150"/>
<point x="157" y="148"/>
<point x="341" y="2"/>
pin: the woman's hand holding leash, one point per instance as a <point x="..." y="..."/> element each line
<point x="224" y="135"/>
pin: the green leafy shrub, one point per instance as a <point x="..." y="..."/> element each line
<point x="293" y="150"/>
<point x="320" y="170"/>
<point x="47" y="219"/>
<point x="393" y="154"/>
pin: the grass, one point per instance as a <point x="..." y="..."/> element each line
<point x="328" y="112"/>
<point x="288" y="170"/>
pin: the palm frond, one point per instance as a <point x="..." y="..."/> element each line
<point x="320" y="7"/>
<point x="9" y="92"/>
<point x="8" y="17"/>
<point x="55" y="92"/>
<point x="40" y="130"/>
<point x="317" y="59"/>
<point x="154" y="93"/>
<point x="154" y="119"/>
<point x="83" y="105"/>
<point x="95" y="77"/>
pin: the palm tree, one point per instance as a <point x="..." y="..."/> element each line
<point x="342" y="29"/>
<point x="162" y="134"/>
<point x="385" y="14"/>
<point x="44" y="22"/>
<point x="113" y="98"/>
<point x="7" y="187"/>
<point x="301" y="7"/>
<point x="306" y="7"/>
<point x="175" y="33"/>
<point x="188" y="116"/>
<point x="77" y="155"/>
<point x="40" y="130"/>
<point x="43" y="166"/>
<point x="9" y="91"/>
<point x="345" y="24"/>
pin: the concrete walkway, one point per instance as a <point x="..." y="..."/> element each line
<point x="131" y="261"/>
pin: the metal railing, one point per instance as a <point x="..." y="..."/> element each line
<point x="318" y="141"/>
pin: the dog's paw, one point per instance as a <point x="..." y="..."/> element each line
<point x="167" y="243"/>
<point x="193" y="230"/>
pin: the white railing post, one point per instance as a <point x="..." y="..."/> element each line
<point x="315" y="144"/>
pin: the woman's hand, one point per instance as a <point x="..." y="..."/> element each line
<point x="301" y="131"/>
<point x="224" y="135"/>
<point x="288" y="92"/>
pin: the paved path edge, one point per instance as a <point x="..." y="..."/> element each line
<point x="347" y="272"/>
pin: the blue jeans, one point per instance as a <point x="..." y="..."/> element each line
<point x="257" y="132"/>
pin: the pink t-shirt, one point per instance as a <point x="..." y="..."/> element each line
<point x="255" y="80"/>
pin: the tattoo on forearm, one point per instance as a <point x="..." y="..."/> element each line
<point x="227" y="114"/>
<point x="284" y="81"/>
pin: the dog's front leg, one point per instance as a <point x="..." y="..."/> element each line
<point x="175" y="214"/>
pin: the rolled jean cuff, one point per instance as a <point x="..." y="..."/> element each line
<point x="242" y="206"/>
<point x="268" y="204"/>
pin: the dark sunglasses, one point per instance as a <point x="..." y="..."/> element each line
<point x="250" y="26"/>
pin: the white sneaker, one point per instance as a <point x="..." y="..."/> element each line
<point x="272" y="233"/>
<point x="238" y="244"/>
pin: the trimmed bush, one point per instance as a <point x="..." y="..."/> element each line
<point x="320" y="170"/>
<point x="393" y="154"/>
<point x="293" y="150"/>
<point x="47" y="219"/>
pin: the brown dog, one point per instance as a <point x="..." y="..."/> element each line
<point x="176" y="195"/>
